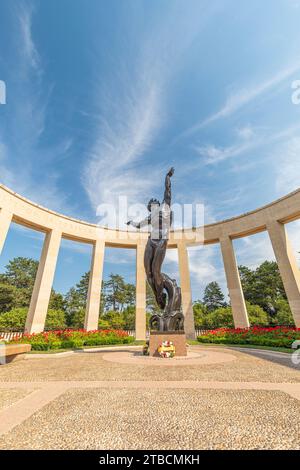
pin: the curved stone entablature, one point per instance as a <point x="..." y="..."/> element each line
<point x="270" y="218"/>
<point x="33" y="215"/>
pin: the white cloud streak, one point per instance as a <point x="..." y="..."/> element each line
<point x="121" y="142"/>
<point x="29" y="49"/>
<point x="244" y="96"/>
<point x="130" y="121"/>
<point x="25" y="123"/>
<point x="212" y="154"/>
<point x="287" y="161"/>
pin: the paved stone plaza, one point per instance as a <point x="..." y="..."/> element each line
<point x="113" y="399"/>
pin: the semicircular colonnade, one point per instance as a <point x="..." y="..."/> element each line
<point x="271" y="218"/>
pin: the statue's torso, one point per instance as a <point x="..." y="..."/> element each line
<point x="161" y="220"/>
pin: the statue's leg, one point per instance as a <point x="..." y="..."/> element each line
<point x="148" y="258"/>
<point x="158" y="258"/>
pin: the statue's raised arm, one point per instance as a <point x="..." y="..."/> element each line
<point x="167" y="194"/>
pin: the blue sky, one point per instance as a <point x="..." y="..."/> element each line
<point x="102" y="96"/>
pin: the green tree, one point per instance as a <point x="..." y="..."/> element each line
<point x="57" y="301"/>
<point x="213" y="297"/>
<point x="22" y="298"/>
<point x="55" y="319"/>
<point x="130" y="295"/>
<point x="83" y="286"/>
<point x="283" y="314"/>
<point x="257" y="316"/>
<point x="77" y="320"/>
<point x="18" y="279"/>
<point x="129" y="317"/>
<point x="220" y="318"/>
<point x="7" y="297"/>
<point x="14" y="319"/>
<point x="200" y="313"/>
<point x="248" y="281"/>
<point x="115" y="295"/>
<point x="115" y="292"/>
<point x="103" y="324"/>
<point x="20" y="272"/>
<point x="75" y="302"/>
<point x="263" y="286"/>
<point x="114" y="318"/>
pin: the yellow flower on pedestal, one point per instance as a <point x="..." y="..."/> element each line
<point x="166" y="349"/>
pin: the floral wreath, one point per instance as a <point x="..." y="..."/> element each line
<point x="166" y="349"/>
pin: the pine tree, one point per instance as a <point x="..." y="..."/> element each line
<point x="213" y="297"/>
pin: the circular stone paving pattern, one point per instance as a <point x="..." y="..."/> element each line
<point x="201" y="357"/>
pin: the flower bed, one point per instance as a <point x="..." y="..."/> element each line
<point x="277" y="336"/>
<point x="70" y="339"/>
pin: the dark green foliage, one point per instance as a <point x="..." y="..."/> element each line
<point x="213" y="297"/>
<point x="263" y="290"/>
<point x="16" y="318"/>
<point x="7" y="297"/>
<point x="263" y="286"/>
<point x="20" y="272"/>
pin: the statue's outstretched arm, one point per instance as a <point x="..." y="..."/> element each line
<point x="142" y="223"/>
<point x="167" y="194"/>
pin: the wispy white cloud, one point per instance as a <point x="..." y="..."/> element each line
<point x="253" y="250"/>
<point x="28" y="46"/>
<point x="77" y="247"/>
<point x="131" y="120"/>
<point x="287" y="163"/>
<point x="112" y="167"/>
<point x="213" y="154"/>
<point x="20" y="154"/>
<point x="244" y="96"/>
<point x="206" y="265"/>
<point x="120" y="256"/>
<point x="249" y="140"/>
<point x="246" y="132"/>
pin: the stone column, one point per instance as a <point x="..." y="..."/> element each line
<point x="5" y="221"/>
<point x="287" y="265"/>
<point x="38" y="308"/>
<point x="186" y="293"/>
<point x="238" y="305"/>
<point x="140" y="309"/>
<point x="94" y="290"/>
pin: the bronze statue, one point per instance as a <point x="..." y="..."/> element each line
<point x="160" y="220"/>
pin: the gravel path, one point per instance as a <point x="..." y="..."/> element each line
<point x="281" y="358"/>
<point x="83" y="401"/>
<point x="91" y="366"/>
<point x="172" y="419"/>
<point x="8" y="396"/>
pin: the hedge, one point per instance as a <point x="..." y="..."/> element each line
<point x="278" y="336"/>
<point x="70" y="339"/>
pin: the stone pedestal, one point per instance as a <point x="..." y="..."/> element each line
<point x="178" y="338"/>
